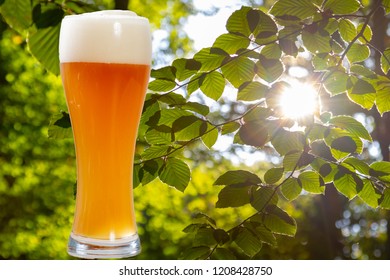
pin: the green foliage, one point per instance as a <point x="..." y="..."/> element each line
<point x="251" y="59"/>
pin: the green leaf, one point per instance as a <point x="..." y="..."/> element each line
<point x="366" y="101"/>
<point x="161" y="85"/>
<point x="278" y="221"/>
<point x="386" y="5"/>
<point x="237" y="22"/>
<point x="221" y="236"/>
<point x="210" y="136"/>
<point x="60" y="126"/>
<point x="316" y="42"/>
<point x="369" y="194"/>
<point x="17" y="14"/>
<point x="347" y="30"/>
<point x="262" y="197"/>
<point x="175" y="173"/>
<point x="249" y="243"/>
<point x="185" y="68"/>
<point x="188" y="128"/>
<point x="204" y="236"/>
<point x="195" y="82"/>
<point x="148" y="171"/>
<point x="233" y="196"/>
<point x="266" y="29"/>
<point x="273" y="175"/>
<point x="272" y="51"/>
<point x="285" y="141"/>
<point x="350" y="124"/>
<point x="254" y="133"/>
<point x="338" y="7"/>
<point x="213" y="85"/>
<point x="336" y="82"/>
<point x="381" y="170"/>
<point x="155" y="151"/>
<point x="291" y="189"/>
<point x="311" y="182"/>
<point x="269" y="69"/>
<point x="296" y="160"/>
<point x="358" y="53"/>
<point x="344" y="144"/>
<point x="346" y="183"/>
<point x="231" y="43"/>
<point x="358" y="164"/>
<point x="362" y="87"/>
<point x="239" y="70"/>
<point x="165" y="73"/>
<point x="196" y="107"/>
<point x="203" y="216"/>
<point x="230" y="127"/>
<point x="385" y="61"/>
<point x="155" y="137"/>
<point x="367" y="33"/>
<point x="264" y="234"/>
<point x="251" y="91"/>
<point x="299" y="9"/>
<point x="170" y="98"/>
<point x="238" y="177"/>
<point x="383" y="99"/>
<point x="43" y="44"/>
<point x="210" y="58"/>
<point x="385" y="199"/>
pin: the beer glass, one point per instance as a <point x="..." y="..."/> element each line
<point x="105" y="64"/>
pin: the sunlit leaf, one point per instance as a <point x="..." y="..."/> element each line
<point x="165" y="73"/>
<point x="237" y="22"/>
<point x="358" y="53"/>
<point x="262" y="197"/>
<point x="385" y="199"/>
<point x="238" y="177"/>
<point x="278" y="221"/>
<point x="185" y="68"/>
<point x="60" y="126"/>
<point x="175" y="173"/>
<point x="233" y="196"/>
<point x="230" y="127"/>
<point x="17" y="14"/>
<point x="362" y="87"/>
<point x="385" y="61"/>
<point x="336" y="82"/>
<point x="273" y="175"/>
<point x="239" y="70"/>
<point x="269" y="69"/>
<point x="265" y="30"/>
<point x="251" y="91"/>
<point x="196" y="107"/>
<point x="249" y="243"/>
<point x="148" y="171"/>
<point x="231" y="43"/>
<point x="291" y="188"/>
<point x="210" y="58"/>
<point x="386" y="5"/>
<point x="311" y="182"/>
<point x="369" y="194"/>
<point x="347" y="30"/>
<point x="285" y="141"/>
<point x="367" y="33"/>
<point x="213" y="85"/>
<point x="346" y="183"/>
<point x="210" y="136"/>
<point x="155" y="151"/>
<point x="300" y="9"/>
<point x="352" y="125"/>
<point x="254" y="133"/>
<point x="338" y="7"/>
<point x="358" y="164"/>
<point x="161" y="85"/>
<point x="383" y="99"/>
<point x="43" y="44"/>
<point x="316" y="42"/>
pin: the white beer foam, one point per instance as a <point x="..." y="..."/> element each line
<point x="111" y="36"/>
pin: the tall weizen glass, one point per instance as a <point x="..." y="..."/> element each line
<point x="105" y="64"/>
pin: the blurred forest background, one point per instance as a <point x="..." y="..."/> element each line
<point x="38" y="174"/>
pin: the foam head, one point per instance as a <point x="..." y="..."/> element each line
<point x="106" y="36"/>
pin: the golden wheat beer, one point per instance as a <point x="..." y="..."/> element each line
<point x="105" y="63"/>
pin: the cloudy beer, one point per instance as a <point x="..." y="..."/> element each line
<point x="105" y="63"/>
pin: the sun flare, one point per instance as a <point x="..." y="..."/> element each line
<point x="299" y="100"/>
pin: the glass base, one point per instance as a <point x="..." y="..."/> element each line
<point x="89" y="248"/>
